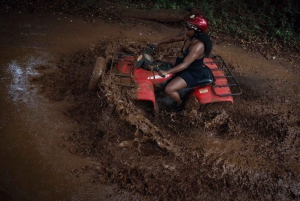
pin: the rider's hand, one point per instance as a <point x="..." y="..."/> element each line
<point x="154" y="44"/>
<point x="162" y="73"/>
<point x="150" y="49"/>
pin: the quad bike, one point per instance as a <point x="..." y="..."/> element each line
<point x="140" y="72"/>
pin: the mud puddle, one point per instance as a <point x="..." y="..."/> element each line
<point x="245" y="151"/>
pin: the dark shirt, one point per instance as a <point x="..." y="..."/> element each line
<point x="194" y="72"/>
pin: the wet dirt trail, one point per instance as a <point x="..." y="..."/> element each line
<point x="34" y="163"/>
<point x="61" y="142"/>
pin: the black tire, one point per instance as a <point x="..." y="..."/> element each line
<point x="156" y="112"/>
<point x="217" y="107"/>
<point x="216" y="117"/>
<point x="99" y="67"/>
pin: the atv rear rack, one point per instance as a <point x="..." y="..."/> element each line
<point x="218" y="76"/>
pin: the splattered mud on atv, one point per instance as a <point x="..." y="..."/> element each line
<point x="128" y="85"/>
<point x="139" y="73"/>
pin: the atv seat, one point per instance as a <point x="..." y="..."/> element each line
<point x="207" y="78"/>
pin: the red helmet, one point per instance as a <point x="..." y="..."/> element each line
<point x="197" y="22"/>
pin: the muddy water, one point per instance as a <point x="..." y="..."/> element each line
<point x="61" y="142"/>
<point x="34" y="164"/>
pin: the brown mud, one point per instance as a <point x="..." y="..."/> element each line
<point x="246" y="151"/>
<point x="249" y="151"/>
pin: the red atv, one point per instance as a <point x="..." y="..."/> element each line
<point x="141" y="73"/>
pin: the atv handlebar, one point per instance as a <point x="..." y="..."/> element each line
<point x="150" y="49"/>
<point x="146" y="61"/>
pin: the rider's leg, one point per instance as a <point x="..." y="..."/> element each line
<point x="171" y="89"/>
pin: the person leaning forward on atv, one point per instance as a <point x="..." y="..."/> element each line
<point x="188" y="67"/>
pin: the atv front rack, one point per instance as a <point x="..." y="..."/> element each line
<point x="122" y="67"/>
<point x="222" y="72"/>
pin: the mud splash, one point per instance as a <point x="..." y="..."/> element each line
<point x="248" y="151"/>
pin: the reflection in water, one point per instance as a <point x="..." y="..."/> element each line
<point x="19" y="89"/>
<point x="18" y="80"/>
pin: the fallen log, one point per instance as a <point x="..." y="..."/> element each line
<point x="165" y="15"/>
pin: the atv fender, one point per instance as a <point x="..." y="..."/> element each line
<point x="206" y="95"/>
<point x="145" y="91"/>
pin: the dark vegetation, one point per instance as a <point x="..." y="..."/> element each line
<point x="270" y="27"/>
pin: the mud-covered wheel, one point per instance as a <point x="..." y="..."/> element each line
<point x="191" y="104"/>
<point x="99" y="67"/>
<point x="216" y="116"/>
<point x="216" y="108"/>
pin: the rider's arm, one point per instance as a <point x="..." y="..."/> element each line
<point x="196" y="51"/>
<point x="180" y="37"/>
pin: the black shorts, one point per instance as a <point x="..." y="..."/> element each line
<point x="191" y="77"/>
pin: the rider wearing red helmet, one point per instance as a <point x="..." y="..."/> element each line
<point x="197" y="22"/>
<point x="187" y="67"/>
